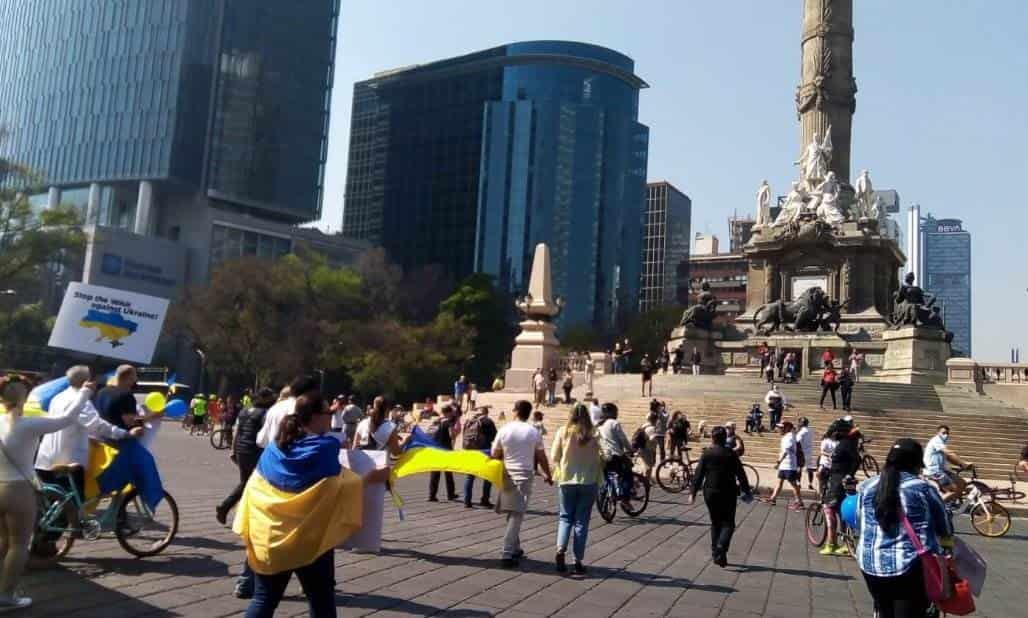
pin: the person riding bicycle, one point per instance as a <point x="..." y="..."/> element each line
<point x="936" y="454"/>
<point x="198" y="407"/>
<point x="841" y="471"/>
<point x="615" y="449"/>
<point x="678" y="430"/>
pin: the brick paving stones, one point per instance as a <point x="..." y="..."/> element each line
<point x="443" y="560"/>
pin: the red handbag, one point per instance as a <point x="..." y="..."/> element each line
<point x="937" y="584"/>
<point x="961" y="601"/>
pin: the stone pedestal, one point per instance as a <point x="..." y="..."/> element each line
<point x="914" y="355"/>
<point x="535" y="348"/>
<point x="690" y="337"/>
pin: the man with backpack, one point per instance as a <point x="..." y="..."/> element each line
<point x="479" y="433"/>
<point x="790" y="462"/>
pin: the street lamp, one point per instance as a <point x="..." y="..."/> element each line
<point x="203" y="370"/>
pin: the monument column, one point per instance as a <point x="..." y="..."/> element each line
<point x="826" y="96"/>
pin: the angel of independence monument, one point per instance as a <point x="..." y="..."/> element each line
<point x="824" y="272"/>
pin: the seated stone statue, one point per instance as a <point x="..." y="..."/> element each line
<point x="701" y="315"/>
<point x="828" y="205"/>
<point x="793" y="206"/>
<point x="911" y="304"/>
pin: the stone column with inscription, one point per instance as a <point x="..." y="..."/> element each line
<point x="826" y="96"/>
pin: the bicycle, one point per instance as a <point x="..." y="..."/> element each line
<point x="816" y="525"/>
<point x="140" y="531"/>
<point x="868" y="464"/>
<point x="1011" y="493"/>
<point x="221" y="439"/>
<point x="609" y="495"/>
<point x="673" y="474"/>
<point x="989" y="518"/>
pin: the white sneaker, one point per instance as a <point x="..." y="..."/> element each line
<point x="14" y="603"/>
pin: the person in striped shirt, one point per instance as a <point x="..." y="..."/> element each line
<point x="888" y="504"/>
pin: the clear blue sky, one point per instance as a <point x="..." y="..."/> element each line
<point x="942" y="110"/>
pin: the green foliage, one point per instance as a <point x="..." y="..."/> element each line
<point x="480" y="308"/>
<point x="581" y="338"/>
<point x="649" y="331"/>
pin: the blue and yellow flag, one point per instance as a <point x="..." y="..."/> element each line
<point x="307" y="507"/>
<point x="423" y="454"/>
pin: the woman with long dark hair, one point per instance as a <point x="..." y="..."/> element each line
<point x="891" y="507"/>
<point x="377" y="432"/>
<point x="578" y="471"/>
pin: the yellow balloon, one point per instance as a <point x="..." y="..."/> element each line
<point x="155" y="401"/>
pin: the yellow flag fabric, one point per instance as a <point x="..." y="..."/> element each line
<point x="100" y="456"/>
<point x="427" y="459"/>
<point x="285" y="531"/>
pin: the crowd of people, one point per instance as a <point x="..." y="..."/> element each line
<point x="293" y="439"/>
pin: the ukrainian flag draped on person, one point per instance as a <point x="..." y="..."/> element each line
<point x="298" y="504"/>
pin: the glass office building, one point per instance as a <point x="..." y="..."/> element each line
<point x="172" y="117"/>
<point x="665" y="261"/>
<point x="470" y="162"/>
<point x="946" y="273"/>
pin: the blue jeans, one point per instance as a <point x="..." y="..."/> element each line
<point x="318" y="581"/>
<point x="469" y="486"/>
<point x="576" y="505"/>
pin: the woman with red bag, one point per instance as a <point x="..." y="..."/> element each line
<point x="902" y="522"/>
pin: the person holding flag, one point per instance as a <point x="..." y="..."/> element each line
<point x="297" y="507"/>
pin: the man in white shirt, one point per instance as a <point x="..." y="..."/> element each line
<point x="595" y="411"/>
<point x="520" y="446"/>
<point x="787" y="468"/>
<point x="283" y="408"/>
<point x="805" y="438"/>
<point x="70" y="446"/>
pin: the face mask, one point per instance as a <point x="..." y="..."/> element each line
<point x="945" y="438"/>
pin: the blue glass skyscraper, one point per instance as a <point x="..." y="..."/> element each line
<point x="470" y="162"/>
<point x="946" y="264"/>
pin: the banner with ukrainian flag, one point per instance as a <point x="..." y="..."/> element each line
<point x="423" y="454"/>
<point x="285" y="529"/>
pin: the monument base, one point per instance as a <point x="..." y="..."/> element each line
<point x="690" y="337"/>
<point x="914" y="355"/>
<point x="535" y="348"/>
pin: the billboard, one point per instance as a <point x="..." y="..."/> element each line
<point x="109" y="322"/>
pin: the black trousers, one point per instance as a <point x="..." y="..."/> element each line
<point x="246" y="463"/>
<point x="433" y="485"/>
<point x="847" y="398"/>
<point x="660" y="447"/>
<point x="829" y="388"/>
<point x="901" y="596"/>
<point x="721" y="508"/>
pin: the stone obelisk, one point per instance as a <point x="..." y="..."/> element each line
<point x="536" y="346"/>
<point x="826" y="96"/>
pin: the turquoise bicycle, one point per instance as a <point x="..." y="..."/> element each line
<point x="65" y="517"/>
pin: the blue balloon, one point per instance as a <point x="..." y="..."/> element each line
<point x="849" y="511"/>
<point x="176" y="408"/>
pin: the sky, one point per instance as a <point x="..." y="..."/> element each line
<point x="942" y="106"/>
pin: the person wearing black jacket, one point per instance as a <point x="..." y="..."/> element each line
<point x="721" y="477"/>
<point x="479" y="433"/>
<point x="245" y="453"/>
<point x="845" y="462"/>
<point x="846" y="388"/>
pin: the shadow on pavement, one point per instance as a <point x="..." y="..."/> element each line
<point x="202" y="543"/>
<point x="60" y="591"/>
<point x="405" y="606"/>
<point x="750" y="568"/>
<point x="173" y="564"/>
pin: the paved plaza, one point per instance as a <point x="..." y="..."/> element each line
<point x="443" y="560"/>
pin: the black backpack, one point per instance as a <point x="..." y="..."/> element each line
<point x="473" y="434"/>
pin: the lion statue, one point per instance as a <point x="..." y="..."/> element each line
<point x="802" y="314"/>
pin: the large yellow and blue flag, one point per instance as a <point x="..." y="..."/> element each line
<point x="423" y="454"/>
<point x="297" y="505"/>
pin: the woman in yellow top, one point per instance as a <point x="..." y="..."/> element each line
<point x="579" y="470"/>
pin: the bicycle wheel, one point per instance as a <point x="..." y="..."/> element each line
<point x="869" y="466"/>
<point x="753" y="477"/>
<point x="219" y="439"/>
<point x="849" y="538"/>
<point x="638" y="496"/>
<point x="605" y="504"/>
<point x="817" y="530"/>
<point x="673" y="476"/>
<point x="142" y="532"/>
<point x="57" y="516"/>
<point x="990" y="519"/>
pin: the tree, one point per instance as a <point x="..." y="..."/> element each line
<point x="648" y="332"/>
<point x="32" y="238"/>
<point x="477" y="305"/>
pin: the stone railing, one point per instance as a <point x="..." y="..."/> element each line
<point x="576" y="363"/>
<point x="967" y="371"/>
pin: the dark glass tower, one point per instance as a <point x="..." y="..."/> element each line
<point x="471" y="161"/>
<point x="947" y="274"/>
<point x="666" y="237"/>
<point x="222" y="100"/>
